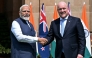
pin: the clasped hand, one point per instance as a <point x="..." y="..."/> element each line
<point x="43" y="41"/>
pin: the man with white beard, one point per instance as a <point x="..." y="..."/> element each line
<point x="23" y="39"/>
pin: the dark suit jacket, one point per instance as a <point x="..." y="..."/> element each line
<point x="73" y="40"/>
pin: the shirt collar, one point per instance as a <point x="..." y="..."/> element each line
<point x="64" y="18"/>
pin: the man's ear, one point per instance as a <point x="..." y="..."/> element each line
<point x="19" y="13"/>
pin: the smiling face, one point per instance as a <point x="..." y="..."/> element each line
<point x="62" y="9"/>
<point x="25" y="12"/>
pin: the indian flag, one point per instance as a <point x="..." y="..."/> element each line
<point x="53" y="44"/>
<point x="31" y="20"/>
<point x="87" y="33"/>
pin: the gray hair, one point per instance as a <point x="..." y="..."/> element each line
<point x="23" y="6"/>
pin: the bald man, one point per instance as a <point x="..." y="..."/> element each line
<point x="69" y="34"/>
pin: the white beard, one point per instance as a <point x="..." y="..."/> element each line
<point x="25" y="18"/>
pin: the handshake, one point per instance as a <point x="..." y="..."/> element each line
<point x="43" y="41"/>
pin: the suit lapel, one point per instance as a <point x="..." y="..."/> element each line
<point x="58" y="27"/>
<point x="67" y="24"/>
<point x="66" y="27"/>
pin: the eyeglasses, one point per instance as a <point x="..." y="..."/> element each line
<point x="25" y="11"/>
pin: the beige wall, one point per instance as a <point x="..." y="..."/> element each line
<point x="90" y="14"/>
<point x="75" y="5"/>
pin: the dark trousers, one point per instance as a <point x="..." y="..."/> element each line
<point x="62" y="55"/>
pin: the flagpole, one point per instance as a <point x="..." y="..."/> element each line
<point x="37" y="34"/>
<point x="36" y="44"/>
<point x="39" y="11"/>
<point x="38" y="23"/>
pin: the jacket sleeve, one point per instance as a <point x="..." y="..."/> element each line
<point x="50" y="35"/>
<point x="81" y="38"/>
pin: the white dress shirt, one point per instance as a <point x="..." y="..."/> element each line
<point x="16" y="30"/>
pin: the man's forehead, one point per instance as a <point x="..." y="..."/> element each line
<point x="25" y="7"/>
<point x="62" y="4"/>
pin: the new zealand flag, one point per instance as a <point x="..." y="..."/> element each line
<point x="44" y="52"/>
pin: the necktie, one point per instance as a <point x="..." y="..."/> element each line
<point x="62" y="29"/>
<point x="62" y="26"/>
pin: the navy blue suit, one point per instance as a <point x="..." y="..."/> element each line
<point x="22" y="49"/>
<point x="73" y="41"/>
